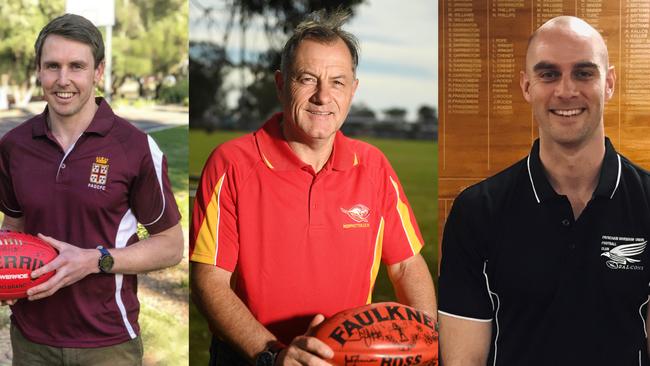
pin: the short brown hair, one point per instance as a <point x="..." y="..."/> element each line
<point x="74" y="27"/>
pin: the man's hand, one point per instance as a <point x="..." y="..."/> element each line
<point x="71" y="265"/>
<point x="306" y="350"/>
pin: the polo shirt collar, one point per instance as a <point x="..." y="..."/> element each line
<point x="101" y="123"/>
<point x="278" y="155"/>
<point x="608" y="181"/>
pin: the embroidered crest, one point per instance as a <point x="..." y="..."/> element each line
<point x="99" y="173"/>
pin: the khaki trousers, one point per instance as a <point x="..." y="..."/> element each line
<point x="27" y="353"/>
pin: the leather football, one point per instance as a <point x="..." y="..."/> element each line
<point x="20" y="254"/>
<point x="381" y="334"/>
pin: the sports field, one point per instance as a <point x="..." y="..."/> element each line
<point x="164" y="294"/>
<point x="416" y="165"/>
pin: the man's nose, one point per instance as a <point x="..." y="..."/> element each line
<point x="566" y="87"/>
<point x="323" y="94"/>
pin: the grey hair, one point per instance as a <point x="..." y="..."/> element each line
<point x="322" y="27"/>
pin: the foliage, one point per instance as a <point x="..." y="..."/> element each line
<point x="427" y="114"/>
<point x="395" y="113"/>
<point x="208" y="69"/>
<point x="149" y="39"/>
<point x="177" y="93"/>
<point x="20" y="23"/>
<point x="277" y="19"/>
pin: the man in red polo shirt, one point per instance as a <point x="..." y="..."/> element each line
<point x="82" y="178"/>
<point x="302" y="214"/>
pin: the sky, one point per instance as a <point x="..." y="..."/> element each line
<point x="398" y="65"/>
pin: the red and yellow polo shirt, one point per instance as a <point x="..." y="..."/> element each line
<point x="300" y="242"/>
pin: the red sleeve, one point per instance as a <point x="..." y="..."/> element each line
<point x="214" y="238"/>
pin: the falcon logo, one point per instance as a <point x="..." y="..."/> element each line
<point x="99" y="173"/>
<point x="358" y="212"/>
<point x="620" y="257"/>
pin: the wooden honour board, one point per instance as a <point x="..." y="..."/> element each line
<point x="485" y="123"/>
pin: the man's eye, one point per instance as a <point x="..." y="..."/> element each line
<point x="52" y="67"/>
<point x="339" y="83"/>
<point x="549" y="75"/>
<point x="583" y="74"/>
<point x="308" y="80"/>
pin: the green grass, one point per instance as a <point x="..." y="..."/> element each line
<point x="165" y="338"/>
<point x="416" y="165"/>
<point x="173" y="143"/>
<point x="165" y="328"/>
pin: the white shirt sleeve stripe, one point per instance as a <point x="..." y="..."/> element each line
<point x="157" y="158"/>
<point x="128" y="227"/>
<point x="465" y="317"/>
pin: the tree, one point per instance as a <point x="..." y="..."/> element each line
<point x="277" y="18"/>
<point x="395" y="114"/>
<point x="427" y="114"/>
<point x="208" y="67"/>
<point x="150" y="39"/>
<point x="20" y="23"/>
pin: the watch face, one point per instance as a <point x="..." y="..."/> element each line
<point x="265" y="359"/>
<point x="106" y="263"/>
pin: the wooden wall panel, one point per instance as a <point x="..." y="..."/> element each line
<point x="485" y="123"/>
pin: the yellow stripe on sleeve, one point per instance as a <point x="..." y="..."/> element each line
<point x="376" y="260"/>
<point x="405" y="218"/>
<point x="207" y="241"/>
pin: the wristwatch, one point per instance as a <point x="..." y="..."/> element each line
<point x="105" y="263"/>
<point x="268" y="356"/>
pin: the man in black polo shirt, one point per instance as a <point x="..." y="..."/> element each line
<point x="546" y="263"/>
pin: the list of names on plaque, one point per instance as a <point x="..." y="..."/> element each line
<point x="547" y="9"/>
<point x="636" y="58"/>
<point x="502" y="71"/>
<point x="463" y="60"/>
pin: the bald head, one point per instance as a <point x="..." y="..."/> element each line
<point x="555" y="31"/>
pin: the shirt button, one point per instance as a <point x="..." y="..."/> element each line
<point x="572" y="246"/>
<point x="566" y="222"/>
<point x="63" y="166"/>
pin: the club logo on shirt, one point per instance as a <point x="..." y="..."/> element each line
<point x="622" y="252"/>
<point x="359" y="214"/>
<point x="99" y="173"/>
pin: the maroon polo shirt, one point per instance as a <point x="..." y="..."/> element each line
<point x="113" y="177"/>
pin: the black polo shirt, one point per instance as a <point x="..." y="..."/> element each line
<point x="557" y="291"/>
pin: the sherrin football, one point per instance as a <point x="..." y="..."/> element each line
<point x="381" y="334"/>
<point x="20" y="254"/>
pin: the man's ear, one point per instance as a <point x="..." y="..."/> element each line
<point x="610" y="82"/>
<point x="279" y="83"/>
<point x="99" y="72"/>
<point x="524" y="83"/>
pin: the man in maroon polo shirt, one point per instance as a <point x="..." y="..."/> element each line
<point x="298" y="217"/>
<point x="82" y="178"/>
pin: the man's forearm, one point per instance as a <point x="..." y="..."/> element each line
<point x="464" y="342"/>
<point x="158" y="251"/>
<point x="413" y="284"/>
<point x="227" y="315"/>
